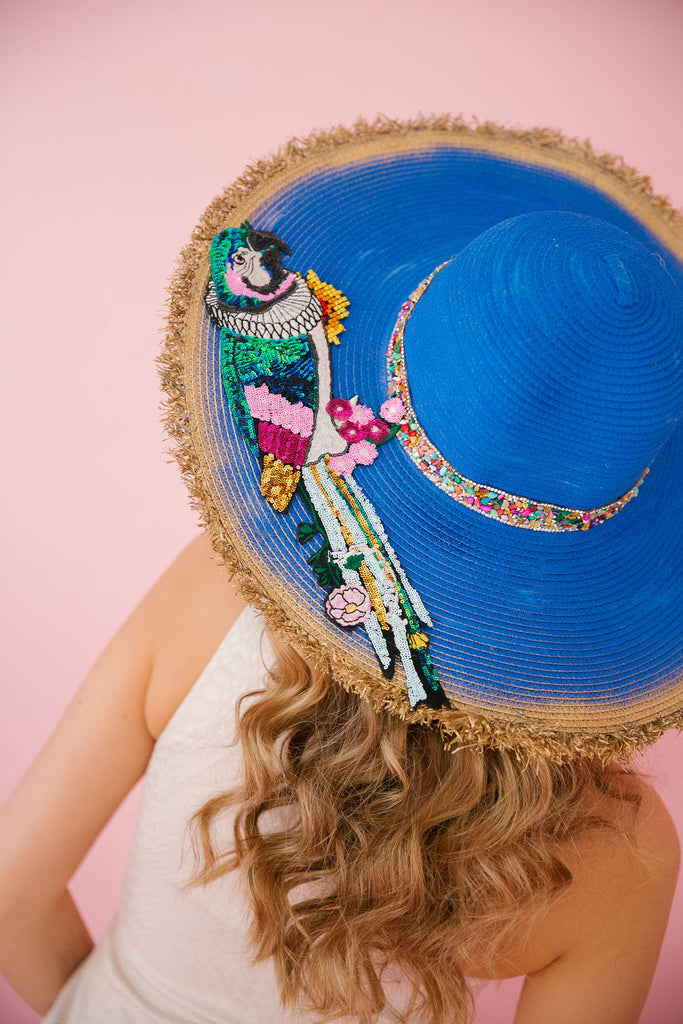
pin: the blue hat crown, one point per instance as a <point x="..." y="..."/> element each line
<point x="557" y="342"/>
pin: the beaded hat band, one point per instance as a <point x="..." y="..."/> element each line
<point x="545" y="358"/>
<point x="511" y="509"/>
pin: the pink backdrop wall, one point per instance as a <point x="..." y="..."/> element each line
<point x="120" y="122"/>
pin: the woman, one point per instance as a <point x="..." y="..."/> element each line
<point x="434" y="798"/>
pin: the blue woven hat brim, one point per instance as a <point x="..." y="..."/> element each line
<point x="552" y="643"/>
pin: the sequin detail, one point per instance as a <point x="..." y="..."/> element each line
<point x="348" y="605"/>
<point x="278" y="482"/>
<point x="362" y="556"/>
<point x="335" y="305"/>
<point x="361" y="429"/>
<point x="276" y="329"/>
<point x="487" y="500"/>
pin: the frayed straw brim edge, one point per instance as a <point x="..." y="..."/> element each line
<point x="458" y="728"/>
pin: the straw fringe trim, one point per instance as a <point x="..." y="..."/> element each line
<point x="458" y="728"/>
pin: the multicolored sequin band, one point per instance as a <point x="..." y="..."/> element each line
<point x="490" y="501"/>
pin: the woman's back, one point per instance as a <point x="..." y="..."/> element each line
<point x="592" y="958"/>
<point x="597" y="948"/>
<point x="174" y="954"/>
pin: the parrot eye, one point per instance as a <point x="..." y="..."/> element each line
<point x="237" y="260"/>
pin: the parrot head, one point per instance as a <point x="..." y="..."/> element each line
<point x="246" y="266"/>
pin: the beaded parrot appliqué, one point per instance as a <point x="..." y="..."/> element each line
<point x="275" y="330"/>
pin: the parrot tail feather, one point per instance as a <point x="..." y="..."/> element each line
<point x="361" y="554"/>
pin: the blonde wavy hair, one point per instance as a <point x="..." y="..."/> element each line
<point x="420" y="857"/>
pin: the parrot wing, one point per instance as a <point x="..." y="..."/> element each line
<point x="272" y="389"/>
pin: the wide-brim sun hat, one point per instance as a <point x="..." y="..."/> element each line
<point x="473" y="520"/>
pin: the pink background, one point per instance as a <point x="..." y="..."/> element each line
<point x="121" y="121"/>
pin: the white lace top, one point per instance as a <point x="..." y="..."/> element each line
<point x="174" y="956"/>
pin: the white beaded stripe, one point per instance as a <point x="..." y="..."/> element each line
<point x="416" y="691"/>
<point x="333" y="531"/>
<point x="376" y="563"/>
<point x="373" y="558"/>
<point x="378" y="527"/>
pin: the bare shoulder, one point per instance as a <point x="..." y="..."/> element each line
<point x="605" y="856"/>
<point x="618" y="879"/>
<point x="191" y="608"/>
<point x="620" y="894"/>
<point x="610" y="871"/>
<point x="609" y="926"/>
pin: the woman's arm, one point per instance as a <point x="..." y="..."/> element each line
<point x="98" y="751"/>
<point x="41" y="946"/>
<point x="96" y="754"/>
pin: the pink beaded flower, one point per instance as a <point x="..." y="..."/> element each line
<point x="348" y="605"/>
<point x="351" y="431"/>
<point x="339" y="409"/>
<point x="343" y="464"/>
<point x="377" y="431"/>
<point x="361" y="414"/>
<point x="363" y="453"/>
<point x="393" y="410"/>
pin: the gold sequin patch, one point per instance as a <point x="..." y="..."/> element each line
<point x="278" y="482"/>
